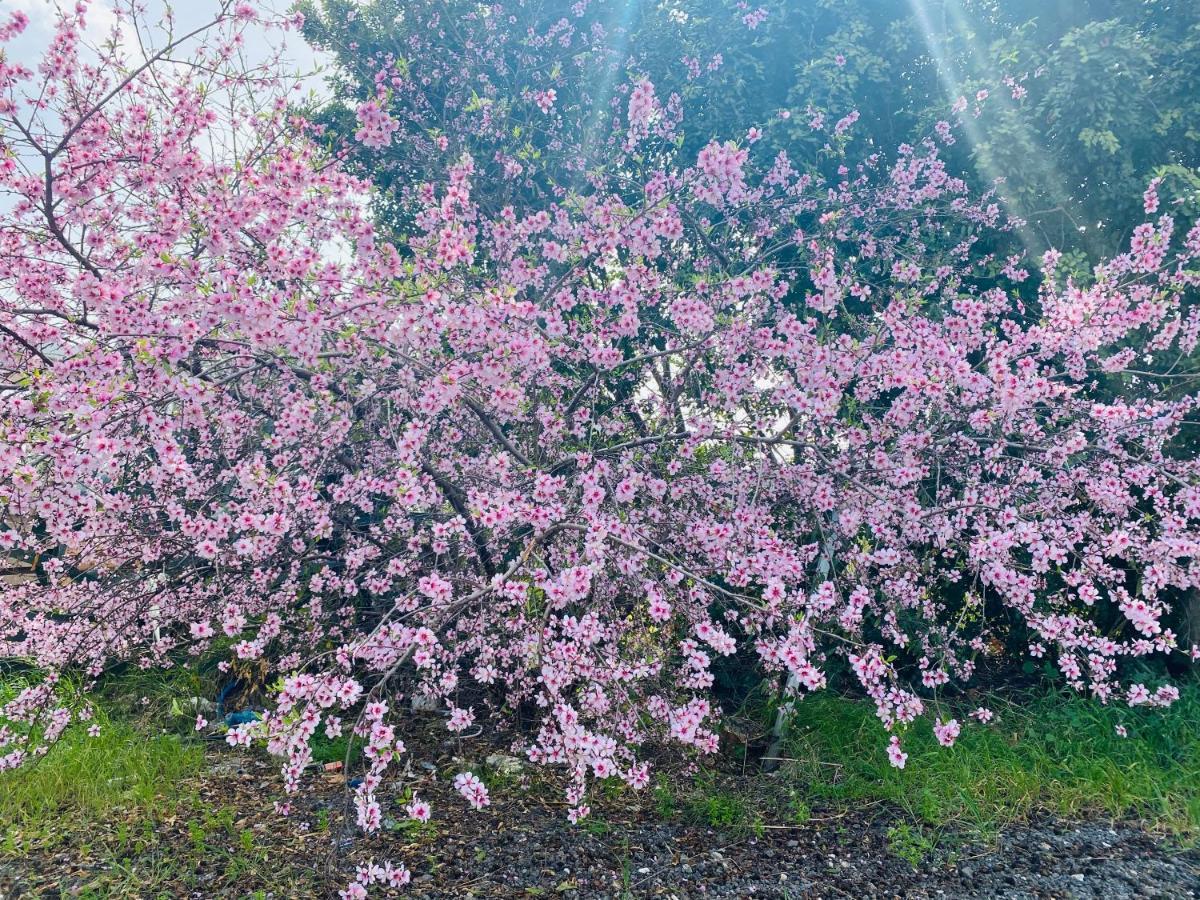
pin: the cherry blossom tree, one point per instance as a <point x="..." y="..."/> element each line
<point x="557" y="454"/>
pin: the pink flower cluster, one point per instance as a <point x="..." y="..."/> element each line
<point x="644" y="109"/>
<point x="376" y="127"/>
<point x="473" y="790"/>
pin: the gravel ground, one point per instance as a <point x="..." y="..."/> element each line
<point x="846" y="857"/>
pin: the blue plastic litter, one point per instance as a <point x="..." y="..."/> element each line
<point x="224" y="695"/>
<point x="241" y="717"/>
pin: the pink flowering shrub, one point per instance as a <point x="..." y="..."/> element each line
<point x="561" y="457"/>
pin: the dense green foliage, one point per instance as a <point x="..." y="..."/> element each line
<point x="1088" y="99"/>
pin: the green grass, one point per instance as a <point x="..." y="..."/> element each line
<point x="91" y="776"/>
<point x="326" y="750"/>
<point x="129" y="770"/>
<point x="1050" y="752"/>
<point x="114" y="799"/>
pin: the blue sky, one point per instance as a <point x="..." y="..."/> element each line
<point x="189" y="14"/>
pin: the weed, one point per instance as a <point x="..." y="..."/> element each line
<point x="595" y="825"/>
<point x="499" y="782"/>
<point x="223" y="818"/>
<point x="665" y="802"/>
<point x="325" y="750"/>
<point x="910" y="843"/>
<point x="612" y="788"/>
<point x="410" y="828"/>
<point x="198" y="835"/>
<point x="801" y="812"/>
<point x="716" y="808"/>
<point x="626" y="872"/>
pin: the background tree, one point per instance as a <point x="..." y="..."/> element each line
<point x="1087" y="101"/>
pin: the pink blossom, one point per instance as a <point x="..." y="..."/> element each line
<point x="643" y="109"/>
<point x="376" y="127"/>
<point x="1150" y="197"/>
<point x="753" y="19"/>
<point x="947" y="732"/>
<point x="418" y="809"/>
<point x="599" y="418"/>
<point x="472" y="790"/>
<point x="896" y="756"/>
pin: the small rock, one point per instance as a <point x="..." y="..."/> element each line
<point x="505" y="765"/>
<point x="425" y="703"/>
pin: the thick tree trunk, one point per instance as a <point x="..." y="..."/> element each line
<point x="1189" y="631"/>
